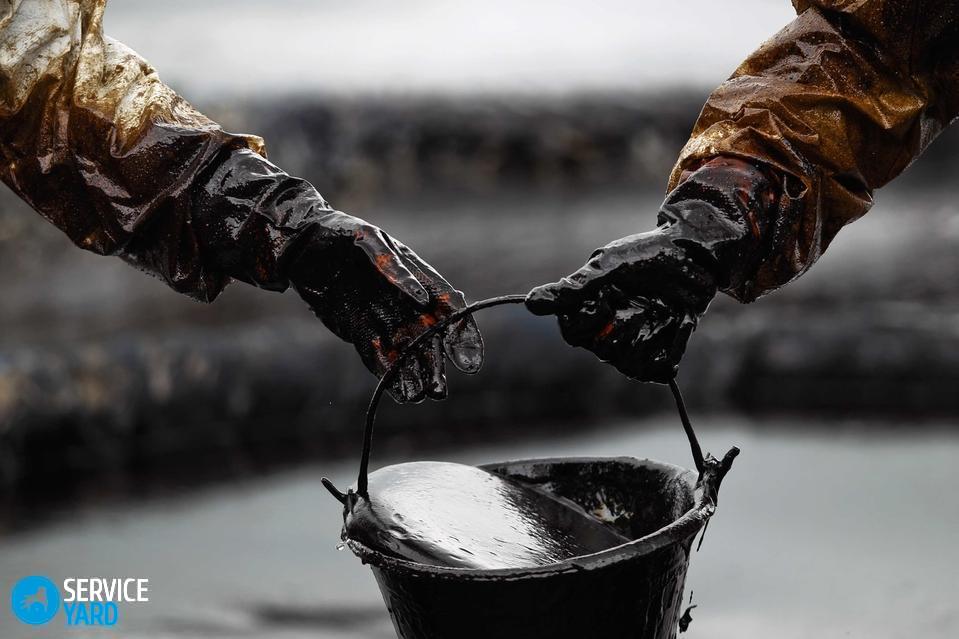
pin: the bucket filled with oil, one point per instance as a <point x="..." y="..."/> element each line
<point x="562" y="547"/>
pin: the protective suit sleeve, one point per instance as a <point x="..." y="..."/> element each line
<point x="95" y="143"/>
<point x="832" y="107"/>
<point x="92" y="140"/>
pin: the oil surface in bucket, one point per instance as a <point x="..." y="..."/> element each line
<point x="446" y="514"/>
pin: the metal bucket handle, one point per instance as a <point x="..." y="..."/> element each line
<point x="711" y="471"/>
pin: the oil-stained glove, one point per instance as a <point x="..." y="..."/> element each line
<point x="374" y="292"/>
<point x="270" y="229"/>
<point x="637" y="300"/>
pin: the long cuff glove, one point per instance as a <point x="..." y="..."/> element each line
<point x="267" y="228"/>
<point x="636" y="301"/>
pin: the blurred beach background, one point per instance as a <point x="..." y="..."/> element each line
<point x="143" y="433"/>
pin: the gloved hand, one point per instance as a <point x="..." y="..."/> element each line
<point x="637" y="300"/>
<point x="265" y="227"/>
<point x="374" y="292"/>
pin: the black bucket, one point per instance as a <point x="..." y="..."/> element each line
<point x="631" y="590"/>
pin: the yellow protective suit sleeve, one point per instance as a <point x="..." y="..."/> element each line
<point x="93" y="141"/>
<point x="834" y="106"/>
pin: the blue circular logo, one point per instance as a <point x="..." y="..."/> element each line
<point x="35" y="600"/>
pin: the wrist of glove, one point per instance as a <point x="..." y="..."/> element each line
<point x="637" y="300"/>
<point x="270" y="229"/>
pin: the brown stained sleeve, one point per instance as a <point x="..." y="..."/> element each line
<point x="94" y="142"/>
<point x="834" y="106"/>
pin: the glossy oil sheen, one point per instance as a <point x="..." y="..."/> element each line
<point x="634" y="590"/>
<point x="445" y="514"/>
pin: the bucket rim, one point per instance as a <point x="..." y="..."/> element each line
<point x="684" y="527"/>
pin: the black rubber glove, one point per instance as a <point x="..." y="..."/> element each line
<point x="374" y="292"/>
<point x="636" y="301"/>
<point x="267" y="228"/>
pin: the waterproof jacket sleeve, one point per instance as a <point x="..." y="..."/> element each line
<point x="834" y="106"/>
<point x="95" y="143"/>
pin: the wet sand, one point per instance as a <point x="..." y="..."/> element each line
<point x="841" y="530"/>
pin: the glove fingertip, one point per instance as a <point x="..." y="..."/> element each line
<point x="467" y="359"/>
<point x="543" y="300"/>
<point x="464" y="347"/>
<point x="437" y="392"/>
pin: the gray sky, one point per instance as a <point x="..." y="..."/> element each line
<point x="244" y="46"/>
